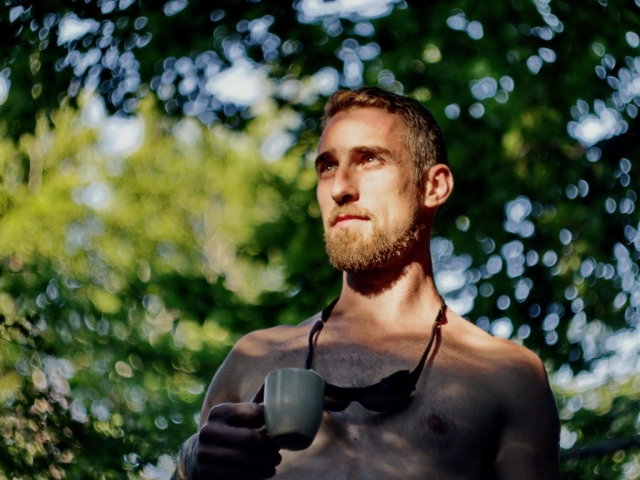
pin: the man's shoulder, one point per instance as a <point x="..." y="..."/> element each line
<point x="267" y="349"/>
<point x="274" y="340"/>
<point x="255" y="355"/>
<point x="512" y="365"/>
<point x="518" y="361"/>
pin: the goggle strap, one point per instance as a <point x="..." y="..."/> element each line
<point x="315" y="329"/>
<point x="319" y="325"/>
<point x="415" y="374"/>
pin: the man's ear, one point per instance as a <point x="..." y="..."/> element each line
<point x="437" y="185"/>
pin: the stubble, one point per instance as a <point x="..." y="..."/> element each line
<point x="351" y="250"/>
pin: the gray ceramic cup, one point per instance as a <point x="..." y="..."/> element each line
<point x="293" y="406"/>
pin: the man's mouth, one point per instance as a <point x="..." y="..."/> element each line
<point x="344" y="220"/>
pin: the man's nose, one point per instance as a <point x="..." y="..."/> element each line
<point x="345" y="186"/>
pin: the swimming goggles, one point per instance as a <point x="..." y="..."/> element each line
<point x="389" y="394"/>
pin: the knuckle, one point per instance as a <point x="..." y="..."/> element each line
<point x="218" y="411"/>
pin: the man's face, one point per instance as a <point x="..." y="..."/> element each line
<point x="370" y="204"/>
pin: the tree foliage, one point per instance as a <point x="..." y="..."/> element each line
<point x="127" y="276"/>
<point x="123" y="287"/>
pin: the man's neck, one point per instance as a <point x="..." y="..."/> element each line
<point x="394" y="298"/>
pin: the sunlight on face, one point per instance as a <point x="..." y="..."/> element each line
<point x="352" y="251"/>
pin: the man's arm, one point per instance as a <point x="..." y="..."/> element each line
<point x="228" y="444"/>
<point x="187" y="468"/>
<point x="528" y="448"/>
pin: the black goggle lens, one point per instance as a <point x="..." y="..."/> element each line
<point x="391" y="393"/>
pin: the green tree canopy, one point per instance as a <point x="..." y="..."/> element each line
<point x="204" y="231"/>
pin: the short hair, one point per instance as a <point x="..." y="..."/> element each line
<point x="423" y="138"/>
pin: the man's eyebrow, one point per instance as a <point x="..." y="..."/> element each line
<point x="324" y="156"/>
<point x="371" y="150"/>
<point x="357" y="150"/>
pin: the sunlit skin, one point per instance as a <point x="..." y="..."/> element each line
<point x="482" y="408"/>
<point x="356" y="169"/>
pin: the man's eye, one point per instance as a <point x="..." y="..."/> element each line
<point x="370" y="159"/>
<point x="326" y="167"/>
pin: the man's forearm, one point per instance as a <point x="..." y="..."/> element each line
<point x="187" y="468"/>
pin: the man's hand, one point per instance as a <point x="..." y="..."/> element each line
<point x="231" y="447"/>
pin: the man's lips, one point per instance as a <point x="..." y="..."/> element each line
<point x="348" y="219"/>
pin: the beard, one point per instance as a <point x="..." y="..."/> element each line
<point x="352" y="251"/>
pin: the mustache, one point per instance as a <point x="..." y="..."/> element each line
<point x="348" y="210"/>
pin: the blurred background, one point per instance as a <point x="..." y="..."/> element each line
<point x="157" y="202"/>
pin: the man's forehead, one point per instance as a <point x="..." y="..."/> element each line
<point x="363" y="122"/>
<point x="363" y="113"/>
<point x="362" y="127"/>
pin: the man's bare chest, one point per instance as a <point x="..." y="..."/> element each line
<point x="429" y="439"/>
<point x="448" y="430"/>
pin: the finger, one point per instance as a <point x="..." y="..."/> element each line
<point x="249" y="439"/>
<point x="237" y="463"/>
<point x="249" y="415"/>
<point x="235" y="458"/>
<point x="234" y="474"/>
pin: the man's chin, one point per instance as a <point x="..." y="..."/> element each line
<point x="353" y="251"/>
<point x="369" y="265"/>
<point x="359" y="258"/>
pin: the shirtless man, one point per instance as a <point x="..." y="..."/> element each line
<point x="482" y="407"/>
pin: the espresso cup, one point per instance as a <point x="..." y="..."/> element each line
<point x="293" y="406"/>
